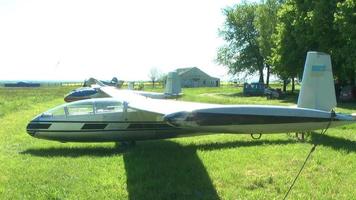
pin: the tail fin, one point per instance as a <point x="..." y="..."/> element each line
<point x="317" y="91"/>
<point x="116" y="82"/>
<point x="173" y="86"/>
<point x="93" y="81"/>
<point x="131" y="85"/>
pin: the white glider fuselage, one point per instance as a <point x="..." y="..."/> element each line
<point x="107" y="119"/>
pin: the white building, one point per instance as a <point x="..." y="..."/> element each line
<point x="194" y="77"/>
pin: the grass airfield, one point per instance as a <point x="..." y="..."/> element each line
<point x="203" y="167"/>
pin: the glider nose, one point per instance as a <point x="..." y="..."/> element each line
<point x="80" y="94"/>
<point x="68" y="98"/>
<point x="71" y="96"/>
<point x="29" y="130"/>
<point x="36" y="125"/>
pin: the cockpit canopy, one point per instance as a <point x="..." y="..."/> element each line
<point x="97" y="109"/>
<point x="86" y="107"/>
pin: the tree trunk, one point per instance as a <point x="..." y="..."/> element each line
<point x="353" y="79"/>
<point x="293" y="85"/>
<point x="267" y="78"/>
<point x="153" y="84"/>
<point x="285" y="85"/>
<point x="261" y="76"/>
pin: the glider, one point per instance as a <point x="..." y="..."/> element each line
<point x="92" y="87"/>
<point x="127" y="116"/>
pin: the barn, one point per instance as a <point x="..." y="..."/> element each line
<point x="194" y="77"/>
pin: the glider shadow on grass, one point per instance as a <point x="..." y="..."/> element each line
<point x="112" y="151"/>
<point x="73" y="151"/>
<point x="335" y="143"/>
<point x="315" y="138"/>
<point x="167" y="170"/>
<point x="159" y="169"/>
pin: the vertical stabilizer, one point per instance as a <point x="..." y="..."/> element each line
<point x="173" y="86"/>
<point x="92" y="81"/>
<point x="131" y="85"/>
<point x="317" y="91"/>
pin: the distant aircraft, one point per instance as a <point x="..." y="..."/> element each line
<point x="127" y="116"/>
<point x="114" y="82"/>
<point x="92" y="87"/>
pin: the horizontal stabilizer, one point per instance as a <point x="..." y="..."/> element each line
<point x="353" y="116"/>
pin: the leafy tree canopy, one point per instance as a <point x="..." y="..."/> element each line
<point x="241" y="52"/>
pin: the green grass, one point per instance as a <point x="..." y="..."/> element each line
<point x="204" y="167"/>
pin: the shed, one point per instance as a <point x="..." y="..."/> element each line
<point x="194" y="77"/>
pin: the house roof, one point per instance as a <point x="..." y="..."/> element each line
<point x="182" y="71"/>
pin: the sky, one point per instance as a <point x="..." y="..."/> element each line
<point x="77" y="39"/>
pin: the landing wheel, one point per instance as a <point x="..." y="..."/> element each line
<point x="300" y="136"/>
<point x="256" y="136"/>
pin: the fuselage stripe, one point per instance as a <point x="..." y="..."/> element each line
<point x="222" y="119"/>
<point x="87" y="122"/>
<point x="94" y="126"/>
<point x="104" y="130"/>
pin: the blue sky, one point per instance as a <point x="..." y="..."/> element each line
<point x="77" y="39"/>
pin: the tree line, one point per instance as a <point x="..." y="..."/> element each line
<point x="275" y="35"/>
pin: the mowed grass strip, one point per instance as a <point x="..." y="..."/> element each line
<point x="204" y="167"/>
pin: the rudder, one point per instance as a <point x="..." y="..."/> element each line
<point x="317" y="90"/>
<point x="173" y="86"/>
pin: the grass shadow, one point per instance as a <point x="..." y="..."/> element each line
<point x="347" y="105"/>
<point x="290" y="98"/>
<point x="166" y="170"/>
<point x="333" y="142"/>
<point x="236" y="144"/>
<point x="287" y="98"/>
<point x="237" y="94"/>
<point x="73" y="151"/>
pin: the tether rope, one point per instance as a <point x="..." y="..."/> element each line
<point x="332" y="116"/>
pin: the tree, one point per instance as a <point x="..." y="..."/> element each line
<point x="163" y="79"/>
<point x="278" y="34"/>
<point x="265" y="23"/>
<point x="344" y="52"/>
<point x="303" y="26"/>
<point x="285" y="53"/>
<point x="241" y="52"/>
<point x="154" y="75"/>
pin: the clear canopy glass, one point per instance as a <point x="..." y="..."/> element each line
<point x="87" y="107"/>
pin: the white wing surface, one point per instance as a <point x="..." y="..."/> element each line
<point x="159" y="106"/>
